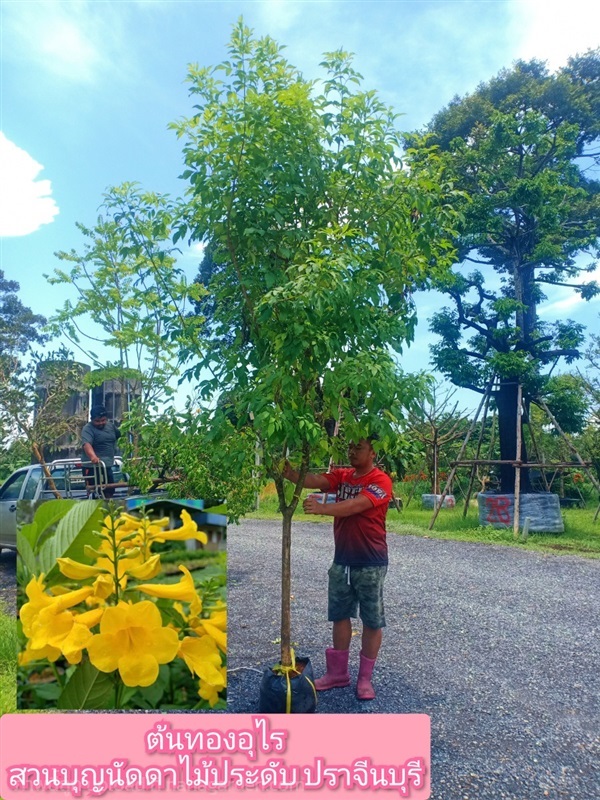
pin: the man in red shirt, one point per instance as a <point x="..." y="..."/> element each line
<point x="360" y="560"/>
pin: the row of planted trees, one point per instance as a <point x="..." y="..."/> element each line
<point x="319" y="220"/>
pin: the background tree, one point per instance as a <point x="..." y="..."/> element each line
<point x="33" y="399"/>
<point x="589" y="441"/>
<point x="519" y="147"/>
<point x="20" y="330"/>
<point x="437" y="424"/>
<point x="319" y="237"/>
<point x="19" y="326"/>
<point x="181" y="455"/>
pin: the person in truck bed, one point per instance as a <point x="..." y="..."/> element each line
<point x="99" y="438"/>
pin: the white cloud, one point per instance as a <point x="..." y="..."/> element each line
<point x="566" y="299"/>
<point x="25" y="202"/>
<point x="198" y="248"/>
<point x="279" y="15"/>
<point x="552" y="30"/>
<point x="70" y="39"/>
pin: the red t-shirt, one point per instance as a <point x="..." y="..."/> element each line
<point x="360" y="539"/>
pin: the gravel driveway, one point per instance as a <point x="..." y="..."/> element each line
<point x="498" y="645"/>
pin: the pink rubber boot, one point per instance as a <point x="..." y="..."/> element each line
<point x="364" y="687"/>
<point x="337" y="674"/>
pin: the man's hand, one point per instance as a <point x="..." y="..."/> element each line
<point x="313" y="505"/>
<point x="289" y="473"/>
<point x="94" y="459"/>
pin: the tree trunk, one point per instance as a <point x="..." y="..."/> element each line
<point x="40" y="457"/>
<point x="287" y="511"/>
<point x="286" y="588"/>
<point x="436" y="481"/>
<point x="506" y="400"/>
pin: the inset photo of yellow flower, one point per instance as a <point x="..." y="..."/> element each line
<point x="122" y="607"/>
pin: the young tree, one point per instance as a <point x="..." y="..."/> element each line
<point x="130" y="289"/>
<point x="437" y="424"/>
<point x="318" y="236"/>
<point x="518" y="147"/>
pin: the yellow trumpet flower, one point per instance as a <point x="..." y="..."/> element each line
<point x="189" y="530"/>
<point x="76" y="570"/>
<point x="39" y="600"/>
<point x="184" y="590"/>
<point x="133" y="640"/>
<point x="29" y="654"/>
<point x="215" y="633"/>
<point x="103" y="587"/>
<point x="147" y="570"/>
<point x="51" y="627"/>
<point x="203" y="659"/>
<point x="209" y="692"/>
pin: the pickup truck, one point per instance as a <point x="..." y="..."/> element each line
<point x="31" y="485"/>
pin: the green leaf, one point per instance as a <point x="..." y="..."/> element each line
<point x="74" y="531"/>
<point x="47" y="515"/>
<point x="48" y="691"/>
<point x="26" y="553"/>
<point x="88" y="689"/>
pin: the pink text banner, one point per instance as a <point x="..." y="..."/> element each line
<point x="156" y="756"/>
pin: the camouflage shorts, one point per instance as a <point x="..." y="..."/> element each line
<point x="351" y="587"/>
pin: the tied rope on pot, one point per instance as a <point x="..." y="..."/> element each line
<point x="282" y="691"/>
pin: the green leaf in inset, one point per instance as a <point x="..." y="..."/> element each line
<point x="75" y="530"/>
<point x="46" y="515"/>
<point x="87" y="689"/>
<point x="48" y="691"/>
<point x="25" y="552"/>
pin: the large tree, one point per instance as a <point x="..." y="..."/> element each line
<point x="317" y="237"/>
<point x="522" y="148"/>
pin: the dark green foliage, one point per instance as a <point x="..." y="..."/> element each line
<point x="19" y="326"/>
<point x="567" y="400"/>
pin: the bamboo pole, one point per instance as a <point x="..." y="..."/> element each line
<point x="570" y="445"/>
<point x="518" y="465"/>
<point x="478" y="451"/>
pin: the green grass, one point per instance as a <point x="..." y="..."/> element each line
<point x="581" y="536"/>
<point x="8" y="663"/>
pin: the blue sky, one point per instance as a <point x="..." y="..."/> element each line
<point x="89" y="87"/>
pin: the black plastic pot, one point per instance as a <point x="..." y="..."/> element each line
<point x="296" y="695"/>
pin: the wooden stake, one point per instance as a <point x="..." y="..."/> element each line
<point x="478" y="451"/>
<point x="518" y="465"/>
